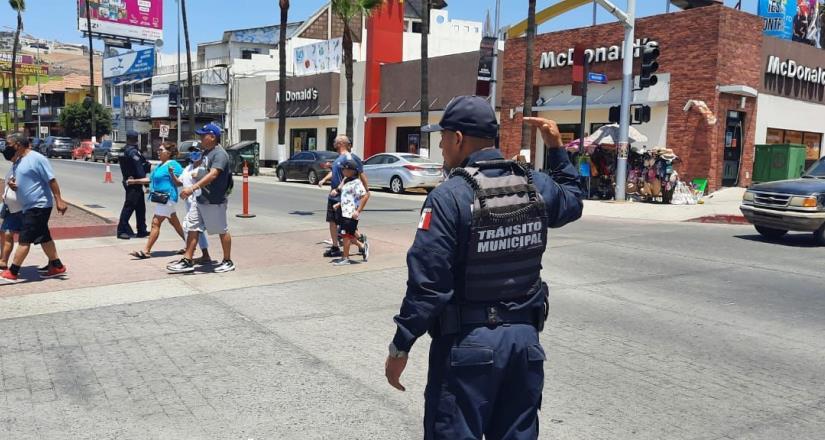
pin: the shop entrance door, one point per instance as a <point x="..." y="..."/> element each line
<point x="302" y="139"/>
<point x="332" y="133"/>
<point x="407" y="139"/>
<point x="732" y="151"/>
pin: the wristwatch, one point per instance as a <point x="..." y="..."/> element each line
<point x="395" y="353"/>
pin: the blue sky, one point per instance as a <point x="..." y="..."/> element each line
<point x="57" y="19"/>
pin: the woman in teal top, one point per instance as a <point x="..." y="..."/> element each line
<point x="163" y="183"/>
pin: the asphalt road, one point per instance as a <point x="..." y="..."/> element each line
<point x="301" y="206"/>
<point x="656" y="331"/>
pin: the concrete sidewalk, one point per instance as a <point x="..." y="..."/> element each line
<point x="719" y="207"/>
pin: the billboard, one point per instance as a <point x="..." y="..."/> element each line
<point x="797" y="20"/>
<point x="130" y="19"/>
<point x="136" y="65"/>
<point x="322" y="57"/>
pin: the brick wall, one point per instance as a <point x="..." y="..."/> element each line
<point x="700" y="48"/>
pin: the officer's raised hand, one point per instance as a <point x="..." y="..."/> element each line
<point x="549" y="131"/>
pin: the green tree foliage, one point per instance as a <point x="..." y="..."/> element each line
<point x="76" y="121"/>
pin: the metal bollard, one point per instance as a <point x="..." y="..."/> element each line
<point x="245" y="213"/>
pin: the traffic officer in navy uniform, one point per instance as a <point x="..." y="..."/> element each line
<point x="133" y="166"/>
<point x="474" y="279"/>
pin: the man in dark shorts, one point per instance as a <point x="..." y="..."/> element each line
<point x="37" y="191"/>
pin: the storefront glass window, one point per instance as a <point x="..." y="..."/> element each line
<point x="793" y="137"/>
<point x="775" y="136"/>
<point x="303" y="139"/>
<point x="812" y="141"/>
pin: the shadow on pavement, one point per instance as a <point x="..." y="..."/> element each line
<point x="801" y="240"/>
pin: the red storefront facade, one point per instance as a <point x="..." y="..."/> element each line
<point x="712" y="54"/>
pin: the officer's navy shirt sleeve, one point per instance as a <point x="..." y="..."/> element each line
<point x="137" y="165"/>
<point x="560" y="190"/>
<point x="430" y="263"/>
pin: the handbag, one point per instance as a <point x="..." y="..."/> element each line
<point x="159" y="197"/>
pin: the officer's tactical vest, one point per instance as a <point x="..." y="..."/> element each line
<point x="508" y="234"/>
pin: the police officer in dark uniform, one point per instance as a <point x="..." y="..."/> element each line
<point x="132" y="165"/>
<point x="474" y="279"/>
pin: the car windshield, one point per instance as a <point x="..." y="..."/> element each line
<point x="414" y="158"/>
<point x="817" y="170"/>
<point x="327" y="155"/>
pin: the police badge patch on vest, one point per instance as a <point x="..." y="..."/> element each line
<point x="426" y="216"/>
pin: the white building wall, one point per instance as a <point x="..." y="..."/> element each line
<point x="393" y="123"/>
<point x="249" y="110"/>
<point x="788" y="114"/>
<point x="446" y="37"/>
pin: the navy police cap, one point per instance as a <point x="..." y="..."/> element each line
<point x="471" y="115"/>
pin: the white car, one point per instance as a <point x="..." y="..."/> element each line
<point x="400" y="171"/>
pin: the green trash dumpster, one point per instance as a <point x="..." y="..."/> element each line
<point x="248" y="151"/>
<point x="778" y="162"/>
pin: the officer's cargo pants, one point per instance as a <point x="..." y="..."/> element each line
<point x="485" y="381"/>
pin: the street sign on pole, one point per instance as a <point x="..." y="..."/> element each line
<point x="164" y="131"/>
<point x="597" y="78"/>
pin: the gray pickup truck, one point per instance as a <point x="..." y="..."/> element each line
<point x="775" y="208"/>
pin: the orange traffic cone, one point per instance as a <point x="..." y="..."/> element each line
<point x="107" y="177"/>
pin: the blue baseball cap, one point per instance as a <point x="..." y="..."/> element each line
<point x="211" y="128"/>
<point x="471" y="115"/>
<point x="132" y="134"/>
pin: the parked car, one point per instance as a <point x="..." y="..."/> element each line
<point x="401" y="171"/>
<point x="108" y="151"/>
<point x="37" y="144"/>
<point x="311" y="166"/>
<point x="775" y="208"/>
<point x="83" y="151"/>
<point x="59" y="147"/>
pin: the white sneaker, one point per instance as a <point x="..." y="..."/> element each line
<point x="343" y="262"/>
<point x="225" y="266"/>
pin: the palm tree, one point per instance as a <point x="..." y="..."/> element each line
<point x="528" y="77"/>
<point x="424" y="138"/>
<point x="284" y="4"/>
<point x="19" y="6"/>
<point x="190" y="84"/>
<point x="346" y="10"/>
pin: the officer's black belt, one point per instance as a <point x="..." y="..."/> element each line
<point x="454" y="317"/>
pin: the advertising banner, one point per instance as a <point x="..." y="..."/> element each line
<point x="130" y="19"/>
<point x="138" y="64"/>
<point x="797" y="20"/>
<point x="322" y="57"/>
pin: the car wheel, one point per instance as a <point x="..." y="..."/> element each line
<point x="770" y="233"/>
<point x="281" y="173"/>
<point x="819" y="235"/>
<point x="396" y="185"/>
<point x="312" y="177"/>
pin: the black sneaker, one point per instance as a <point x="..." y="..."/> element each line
<point x="225" y="266"/>
<point x="333" y="252"/>
<point x="142" y="235"/>
<point x="124" y="236"/>
<point x="44" y="269"/>
<point x="182" y="266"/>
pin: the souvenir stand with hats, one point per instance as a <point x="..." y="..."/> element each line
<point x="651" y="176"/>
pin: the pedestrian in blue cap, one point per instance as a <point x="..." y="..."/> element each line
<point x="208" y="214"/>
<point x="474" y="279"/>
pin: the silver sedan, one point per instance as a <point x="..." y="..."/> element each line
<point x="400" y="171"/>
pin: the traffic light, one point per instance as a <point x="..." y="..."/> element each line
<point x="649" y="66"/>
<point x="641" y="114"/>
<point x="615" y="114"/>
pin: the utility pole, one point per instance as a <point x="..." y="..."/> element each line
<point x="177" y="107"/>
<point x="91" y="68"/>
<point x="494" y="73"/>
<point x="627" y="98"/>
<point x="37" y="76"/>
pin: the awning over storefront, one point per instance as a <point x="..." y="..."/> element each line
<point x="559" y="98"/>
<point x="301" y="118"/>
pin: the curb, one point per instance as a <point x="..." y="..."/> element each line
<point x="721" y="219"/>
<point x="90" y="231"/>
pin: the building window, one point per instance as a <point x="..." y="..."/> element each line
<point x="456" y="28"/>
<point x="416" y="27"/>
<point x="467" y="29"/>
<point x="249" y="134"/>
<point x="247" y="53"/>
<point x="813" y="141"/>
